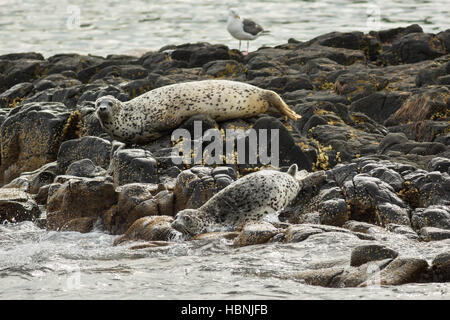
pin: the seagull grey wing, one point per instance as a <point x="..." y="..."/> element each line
<point x="252" y="27"/>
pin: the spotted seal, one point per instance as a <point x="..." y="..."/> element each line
<point x="150" y="115"/>
<point x="247" y="199"/>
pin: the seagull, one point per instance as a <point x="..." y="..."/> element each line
<point x="243" y="29"/>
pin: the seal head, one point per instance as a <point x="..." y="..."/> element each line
<point x="106" y="108"/>
<point x="189" y="221"/>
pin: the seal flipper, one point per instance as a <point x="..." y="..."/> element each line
<point x="293" y="170"/>
<point x="278" y="103"/>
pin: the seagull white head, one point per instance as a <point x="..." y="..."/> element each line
<point x="233" y="13"/>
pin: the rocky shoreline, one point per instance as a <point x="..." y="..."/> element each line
<point x="373" y="138"/>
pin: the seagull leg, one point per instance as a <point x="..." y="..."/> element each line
<point x="247" y="45"/>
<point x="239" y="45"/>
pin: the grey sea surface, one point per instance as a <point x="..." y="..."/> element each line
<point x="135" y="26"/>
<point x="40" y="264"/>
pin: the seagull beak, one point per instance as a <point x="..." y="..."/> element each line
<point x="238" y="16"/>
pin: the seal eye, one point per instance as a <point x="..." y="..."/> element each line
<point x="187" y="218"/>
<point x="110" y="104"/>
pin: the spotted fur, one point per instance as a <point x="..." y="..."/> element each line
<point x="148" y="116"/>
<point x="250" y="198"/>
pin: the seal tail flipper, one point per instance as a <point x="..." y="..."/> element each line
<point x="293" y="170"/>
<point x="276" y="101"/>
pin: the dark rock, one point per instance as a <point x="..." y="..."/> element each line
<point x="255" y="233"/>
<point x="342" y="56"/>
<point x="135" y="200"/>
<point x="197" y="185"/>
<point x="82" y="225"/>
<point x="374" y="201"/>
<point x="349" y="40"/>
<point x="415" y="47"/>
<point x="333" y="212"/>
<point x="21" y="70"/>
<point x="223" y="68"/>
<point x="358" y="85"/>
<point x="17" y="206"/>
<point x="133" y="165"/>
<point x="441" y="267"/>
<point x="84" y="168"/>
<point x="22" y="55"/>
<point x="150" y="229"/>
<point x="400" y="271"/>
<point x="439" y="164"/>
<point x="31" y="135"/>
<point x="131" y="72"/>
<point x="434" y="234"/>
<point x="379" y="105"/>
<point x="93" y="148"/>
<point x="432" y="216"/>
<point x="372" y="252"/>
<point x="391" y="34"/>
<point x="79" y="198"/>
<point x="289" y="151"/>
<point x="14" y="95"/>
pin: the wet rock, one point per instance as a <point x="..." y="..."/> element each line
<point x="380" y="105"/>
<point x="400" y="271"/>
<point x="374" y="201"/>
<point x="341" y="276"/>
<point x="165" y="201"/>
<point x="403" y="230"/>
<point x="223" y="68"/>
<point x="434" y="234"/>
<point x="31" y="136"/>
<point x="441" y="267"/>
<point x="432" y="74"/>
<point x="349" y="40"/>
<point x="93" y="148"/>
<point x="298" y="233"/>
<point x="333" y="212"/>
<point x="429" y="104"/>
<point x="133" y="165"/>
<point x="156" y="228"/>
<point x="428" y="188"/>
<point x="289" y="151"/>
<point x="17" y="206"/>
<point x="354" y="86"/>
<point x="367" y="253"/>
<point x="135" y="200"/>
<point x="415" y="47"/>
<point x="387" y="36"/>
<point x="284" y="83"/>
<point x="82" y="225"/>
<point x="131" y="72"/>
<point x="14" y="95"/>
<point x="21" y="70"/>
<point x="79" y="198"/>
<point x="439" y="164"/>
<point x="85" y="168"/>
<point x="255" y="233"/>
<point x="433" y="216"/>
<point x="43" y="178"/>
<point x="197" y="185"/>
<point x="197" y="55"/>
<point x="340" y="55"/>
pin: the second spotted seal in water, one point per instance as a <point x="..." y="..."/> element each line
<point x="149" y="116"/>
<point x="247" y="199"/>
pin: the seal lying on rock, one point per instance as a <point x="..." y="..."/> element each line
<point x="247" y="199"/>
<point x="148" y="116"/>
